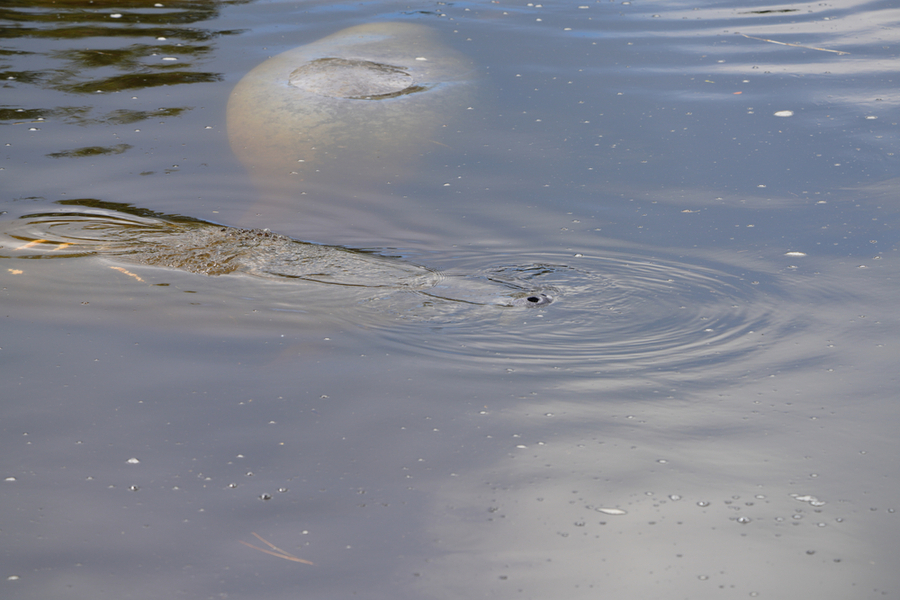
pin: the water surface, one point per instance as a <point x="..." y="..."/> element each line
<point x="705" y="410"/>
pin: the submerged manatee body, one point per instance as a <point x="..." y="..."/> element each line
<point x="125" y="233"/>
<point x="358" y="104"/>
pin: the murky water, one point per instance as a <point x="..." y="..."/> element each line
<point x="706" y="409"/>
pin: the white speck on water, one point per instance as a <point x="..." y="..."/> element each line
<point x="784" y="113"/>
<point x="795" y="253"/>
<point x="611" y="511"/>
<point x="115" y="16"/>
<point x="133" y="461"/>
<point x="811" y="500"/>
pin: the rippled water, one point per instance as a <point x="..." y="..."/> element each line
<point x="705" y="409"/>
<point x="623" y="311"/>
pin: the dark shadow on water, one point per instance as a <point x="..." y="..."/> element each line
<point x="102" y="67"/>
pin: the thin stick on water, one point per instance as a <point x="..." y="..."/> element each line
<point x="795" y="45"/>
<point x="277" y="551"/>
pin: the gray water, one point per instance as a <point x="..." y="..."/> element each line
<point x="707" y="409"/>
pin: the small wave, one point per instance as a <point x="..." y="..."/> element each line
<point x="618" y="312"/>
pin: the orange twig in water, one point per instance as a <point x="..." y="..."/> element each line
<point x="33" y="243"/>
<point x="127" y="272"/>
<point x="277" y="551"/>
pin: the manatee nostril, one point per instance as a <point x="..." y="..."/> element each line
<point x="537" y="300"/>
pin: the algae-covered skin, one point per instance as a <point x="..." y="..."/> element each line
<point x="360" y="103"/>
<point x="125" y="233"/>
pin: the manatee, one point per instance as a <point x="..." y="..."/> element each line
<point x="123" y="232"/>
<point x="358" y="104"/>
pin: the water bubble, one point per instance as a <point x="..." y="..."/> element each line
<point x="132" y="461"/>
<point x="703" y="503"/>
<point x="811" y="500"/>
<point x="674" y="497"/>
<point x="743" y="520"/>
<point x="784" y="113"/>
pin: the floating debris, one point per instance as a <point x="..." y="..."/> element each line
<point x="276" y="551"/>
